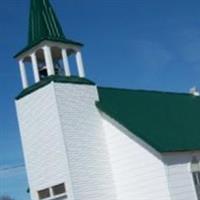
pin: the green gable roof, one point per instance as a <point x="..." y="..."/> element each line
<point x="44" y="25"/>
<point x="169" y="122"/>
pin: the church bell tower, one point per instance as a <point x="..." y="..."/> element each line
<point x="47" y="46"/>
<point x="61" y="129"/>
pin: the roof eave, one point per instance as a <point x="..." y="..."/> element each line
<point x="30" y="46"/>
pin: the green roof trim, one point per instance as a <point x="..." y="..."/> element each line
<point x="56" y="79"/>
<point x="44" y="25"/>
<point x="169" y="122"/>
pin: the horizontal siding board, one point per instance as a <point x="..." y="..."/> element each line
<point x="179" y="175"/>
<point x="45" y="156"/>
<point x="85" y="142"/>
<point x="138" y="172"/>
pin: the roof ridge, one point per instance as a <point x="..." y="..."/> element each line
<point x="149" y="91"/>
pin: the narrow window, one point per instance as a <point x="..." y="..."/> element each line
<point x="43" y="194"/>
<point x="195" y="168"/>
<point x="59" y="189"/>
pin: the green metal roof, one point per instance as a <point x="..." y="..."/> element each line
<point x="169" y="122"/>
<point x="56" y="79"/>
<point x="44" y="25"/>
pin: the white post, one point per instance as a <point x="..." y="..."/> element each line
<point x="80" y="66"/>
<point x="35" y="67"/>
<point x="66" y="62"/>
<point x="48" y="61"/>
<point x="23" y="74"/>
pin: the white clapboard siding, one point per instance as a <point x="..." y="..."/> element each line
<point x="85" y="142"/>
<point x="64" y="141"/>
<point x="179" y="175"/>
<point x="42" y="139"/>
<point x="138" y="171"/>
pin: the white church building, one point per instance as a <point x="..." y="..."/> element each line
<point x="85" y="142"/>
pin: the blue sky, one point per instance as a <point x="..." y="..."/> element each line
<point x="138" y="44"/>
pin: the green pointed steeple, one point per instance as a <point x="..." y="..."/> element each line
<point x="44" y="25"/>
